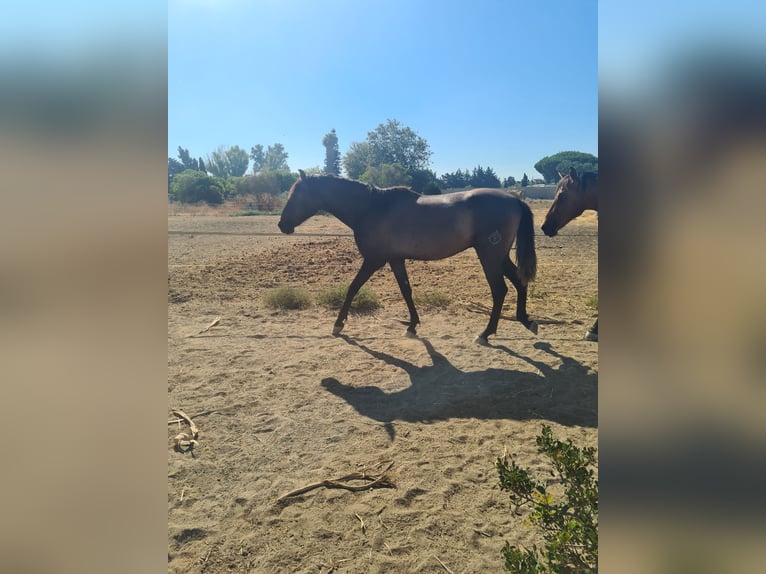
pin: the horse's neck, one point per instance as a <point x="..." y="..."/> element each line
<point x="591" y="198"/>
<point x="346" y="202"/>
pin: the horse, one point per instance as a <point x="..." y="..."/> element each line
<point x="574" y="194"/>
<point x="393" y="224"/>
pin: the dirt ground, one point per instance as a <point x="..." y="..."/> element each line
<point x="282" y="404"/>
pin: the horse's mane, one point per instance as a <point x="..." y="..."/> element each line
<point x="381" y="196"/>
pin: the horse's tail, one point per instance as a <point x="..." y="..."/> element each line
<point x="525" y="245"/>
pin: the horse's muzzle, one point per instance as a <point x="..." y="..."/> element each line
<point x="550" y="230"/>
<point x="284" y="228"/>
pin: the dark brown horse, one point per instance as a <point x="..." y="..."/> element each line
<point x="394" y="224"/>
<point x="574" y="194"/>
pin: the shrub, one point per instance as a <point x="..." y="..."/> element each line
<point x="191" y="186"/>
<point x="365" y="301"/>
<point x="287" y="298"/>
<point x="431" y="299"/>
<point x="570" y="527"/>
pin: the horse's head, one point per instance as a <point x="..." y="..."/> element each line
<point x="569" y="202"/>
<point x="301" y="204"/>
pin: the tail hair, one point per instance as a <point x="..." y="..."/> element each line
<point x="525" y="245"/>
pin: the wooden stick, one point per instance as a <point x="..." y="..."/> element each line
<point x="213" y="324"/>
<point x="382" y="481"/>
<point x="444" y="565"/>
<point x="194" y="430"/>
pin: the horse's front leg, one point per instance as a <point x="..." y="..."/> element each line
<point x="400" y="272"/>
<point x="368" y="268"/>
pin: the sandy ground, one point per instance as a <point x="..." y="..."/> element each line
<point x="282" y="404"/>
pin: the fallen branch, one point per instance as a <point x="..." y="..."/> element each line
<point x="213" y="324"/>
<point x="374" y="481"/>
<point x="444" y="565"/>
<point x="185" y="441"/>
<point x="475" y="307"/>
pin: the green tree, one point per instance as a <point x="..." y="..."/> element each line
<point x="456" y="179"/>
<point x="424" y="181"/>
<point x="357" y="159"/>
<point x="386" y="175"/>
<point x="275" y="158"/>
<point x="332" y="153"/>
<point x="389" y="143"/>
<point x="258" y="157"/>
<point x="193" y="186"/>
<point x="524" y="180"/>
<point x="484" y="177"/>
<point x="228" y="162"/>
<point x="510" y="181"/>
<point x="551" y="165"/>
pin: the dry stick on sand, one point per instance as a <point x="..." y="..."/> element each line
<point x="376" y="481"/>
<point x="184" y="441"/>
<point x="444" y="565"/>
<point x="213" y="324"/>
<point x="475" y="307"/>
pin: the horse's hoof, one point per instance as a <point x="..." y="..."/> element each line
<point x="591" y="336"/>
<point x="480" y="340"/>
<point x="336" y="330"/>
<point x="410" y="334"/>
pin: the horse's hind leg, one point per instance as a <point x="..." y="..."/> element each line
<point x="400" y="272"/>
<point x="368" y="268"/>
<point x="510" y="271"/>
<point x="592" y="334"/>
<point x="493" y="271"/>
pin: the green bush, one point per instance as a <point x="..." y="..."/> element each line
<point x="287" y="298"/>
<point x="431" y="299"/>
<point x="191" y="186"/>
<point x="569" y="527"/>
<point x="365" y="301"/>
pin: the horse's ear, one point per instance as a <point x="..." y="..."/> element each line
<point x="302" y="174"/>
<point x="573" y="173"/>
<point x="561" y="175"/>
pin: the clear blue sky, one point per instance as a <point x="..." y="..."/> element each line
<point x="498" y="83"/>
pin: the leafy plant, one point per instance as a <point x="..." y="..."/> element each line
<point x="287" y="298"/>
<point x="570" y="526"/>
<point x="431" y="299"/>
<point x="365" y="301"/>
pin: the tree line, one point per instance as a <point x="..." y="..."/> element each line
<point x="392" y="154"/>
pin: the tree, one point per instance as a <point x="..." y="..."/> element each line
<point x="386" y="175"/>
<point x="456" y="179"/>
<point x="332" y="153"/>
<point x="510" y="181"/>
<point x="524" y="180"/>
<point x="184" y="162"/>
<point x="424" y="181"/>
<point x="389" y="143"/>
<point x="275" y="158"/>
<point x="484" y="177"/>
<point x="228" y="162"/>
<point x="357" y="159"/>
<point x="258" y="157"/>
<point x="193" y="186"/>
<point x="549" y="166"/>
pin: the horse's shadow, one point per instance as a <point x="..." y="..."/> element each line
<point x="566" y="394"/>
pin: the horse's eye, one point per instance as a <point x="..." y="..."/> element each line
<point x="562" y="198"/>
